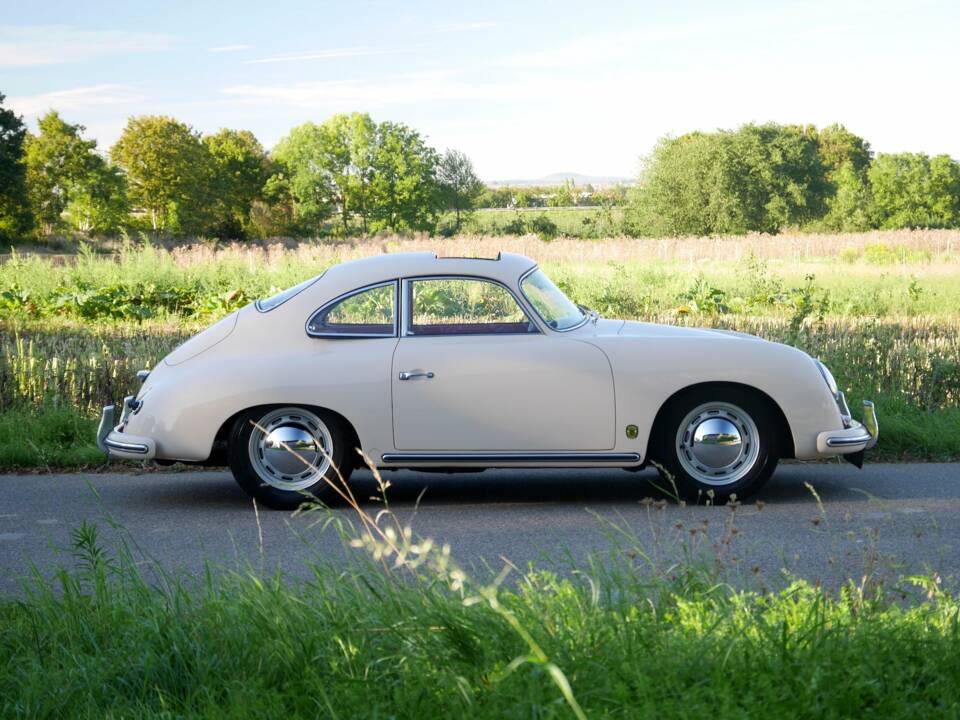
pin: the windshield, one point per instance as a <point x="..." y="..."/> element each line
<point x="556" y="309"/>
<point x="268" y="304"/>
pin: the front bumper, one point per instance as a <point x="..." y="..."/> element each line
<point x="112" y="440"/>
<point x="855" y="437"/>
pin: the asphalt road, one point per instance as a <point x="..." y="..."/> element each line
<point x="886" y="520"/>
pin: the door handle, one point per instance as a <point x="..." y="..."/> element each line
<point x="410" y="374"/>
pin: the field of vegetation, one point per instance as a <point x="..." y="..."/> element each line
<point x="881" y="309"/>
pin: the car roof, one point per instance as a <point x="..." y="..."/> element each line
<point x="505" y="267"/>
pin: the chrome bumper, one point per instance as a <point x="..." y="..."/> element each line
<point x="853" y="439"/>
<point x="117" y="444"/>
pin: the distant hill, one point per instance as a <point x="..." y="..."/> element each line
<point x="560" y="178"/>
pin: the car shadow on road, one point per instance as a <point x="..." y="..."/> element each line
<point x="546" y="486"/>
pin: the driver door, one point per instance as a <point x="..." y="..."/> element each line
<point x="471" y="372"/>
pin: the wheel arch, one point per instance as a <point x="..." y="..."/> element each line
<point x="218" y="451"/>
<point x="785" y="433"/>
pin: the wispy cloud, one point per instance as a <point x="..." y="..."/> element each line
<point x="81" y="98"/>
<point x="410" y="88"/>
<point x="462" y="26"/>
<point x="32" y="45"/>
<point x="229" y="48"/>
<point x="328" y="54"/>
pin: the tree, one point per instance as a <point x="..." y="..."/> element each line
<point x="755" y="178"/>
<point x="168" y="172"/>
<point x="911" y="190"/>
<point x="58" y="162"/>
<point x="846" y="158"/>
<point x="459" y="184"/>
<point x="239" y="166"/>
<point x="565" y="195"/>
<point x="300" y="157"/>
<point x="98" y="201"/>
<point x="15" y="217"/>
<point x="404" y="191"/>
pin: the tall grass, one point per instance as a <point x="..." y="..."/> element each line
<point x="881" y="309"/>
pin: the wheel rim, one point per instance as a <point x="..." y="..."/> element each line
<point x="290" y="448"/>
<point x="718" y="443"/>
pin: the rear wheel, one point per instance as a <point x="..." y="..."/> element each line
<point x="285" y="456"/>
<point x="716" y="442"/>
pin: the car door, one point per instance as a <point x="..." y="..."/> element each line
<point x="472" y="373"/>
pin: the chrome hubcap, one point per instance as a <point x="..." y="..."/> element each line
<point x="290" y="448"/>
<point x="717" y="443"/>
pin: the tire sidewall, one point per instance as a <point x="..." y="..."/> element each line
<point x="251" y="482"/>
<point x="690" y="488"/>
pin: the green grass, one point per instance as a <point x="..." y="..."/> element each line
<point x="415" y="637"/>
<point x="47" y="438"/>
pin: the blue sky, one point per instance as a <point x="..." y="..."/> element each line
<point x="524" y="88"/>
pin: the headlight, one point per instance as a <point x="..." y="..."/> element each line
<point x="827" y="377"/>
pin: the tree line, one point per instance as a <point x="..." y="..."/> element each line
<point x="345" y="176"/>
<point x="351" y="176"/>
<point x="769" y="177"/>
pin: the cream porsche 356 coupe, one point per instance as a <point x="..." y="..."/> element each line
<point x="453" y="364"/>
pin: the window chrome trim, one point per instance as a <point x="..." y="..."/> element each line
<point x="528" y="273"/>
<point x="340" y="298"/>
<point x="407" y="300"/>
<point x="308" y="283"/>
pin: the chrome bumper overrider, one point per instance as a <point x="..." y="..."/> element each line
<point x="855" y="438"/>
<point x="117" y="444"/>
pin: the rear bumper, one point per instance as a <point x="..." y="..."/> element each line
<point x="854" y="438"/>
<point x="117" y="444"/>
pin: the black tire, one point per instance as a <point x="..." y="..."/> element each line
<point x="685" y="476"/>
<point x="268" y="489"/>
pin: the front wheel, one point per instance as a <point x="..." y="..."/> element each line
<point x="715" y="443"/>
<point x="284" y="456"/>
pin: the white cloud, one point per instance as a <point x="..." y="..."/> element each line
<point x="398" y="89"/>
<point x="81" y="98"/>
<point x="32" y="45"/>
<point x="229" y="48"/>
<point x="328" y="54"/>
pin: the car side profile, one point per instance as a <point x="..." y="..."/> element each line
<point x="429" y="362"/>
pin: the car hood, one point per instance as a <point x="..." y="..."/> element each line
<point x="631" y="328"/>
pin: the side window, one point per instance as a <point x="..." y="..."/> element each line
<point x="367" y="313"/>
<point x="464" y="306"/>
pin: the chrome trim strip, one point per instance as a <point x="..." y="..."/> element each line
<point x="138" y="448"/>
<point x="512" y="458"/>
<point x="870" y="421"/>
<point x="586" y="316"/>
<point x="309" y="282"/>
<point x="330" y="303"/>
<point x="848" y="441"/>
<point x="407" y="300"/>
<point x="107" y="421"/>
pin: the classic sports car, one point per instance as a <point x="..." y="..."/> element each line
<point x="461" y="364"/>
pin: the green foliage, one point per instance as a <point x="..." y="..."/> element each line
<point x="169" y="172"/>
<point x="15" y="217"/>
<point x="459" y="185"/>
<point x="912" y="190"/>
<point x="404" y="192"/>
<point x="58" y="160"/>
<point x="239" y="173"/>
<point x="756" y="178"/>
